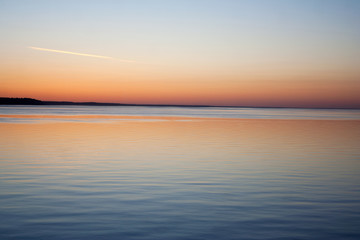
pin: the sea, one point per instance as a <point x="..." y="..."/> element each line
<point x="182" y="173"/>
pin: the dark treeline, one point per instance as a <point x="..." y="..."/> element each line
<point x="20" y="101"/>
<point x="31" y="101"/>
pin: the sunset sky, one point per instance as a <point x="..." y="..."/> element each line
<point x="297" y="53"/>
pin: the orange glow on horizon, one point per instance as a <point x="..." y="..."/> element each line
<point x="228" y="93"/>
<point x="94" y="81"/>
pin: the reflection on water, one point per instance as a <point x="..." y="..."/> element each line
<point x="203" y="179"/>
<point x="117" y="112"/>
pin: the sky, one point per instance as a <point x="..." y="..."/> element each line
<point x="280" y="53"/>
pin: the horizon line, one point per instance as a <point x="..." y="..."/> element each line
<point x="90" y="103"/>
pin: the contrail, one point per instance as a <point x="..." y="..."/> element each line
<point x="80" y="54"/>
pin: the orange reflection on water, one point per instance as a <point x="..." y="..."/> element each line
<point x="187" y="142"/>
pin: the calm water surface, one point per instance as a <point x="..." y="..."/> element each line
<point x="203" y="112"/>
<point x="281" y="174"/>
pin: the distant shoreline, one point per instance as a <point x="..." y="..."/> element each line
<point x="31" y="101"/>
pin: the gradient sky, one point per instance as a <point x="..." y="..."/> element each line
<point x="303" y="53"/>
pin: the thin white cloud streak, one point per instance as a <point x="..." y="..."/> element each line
<point x="80" y="54"/>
